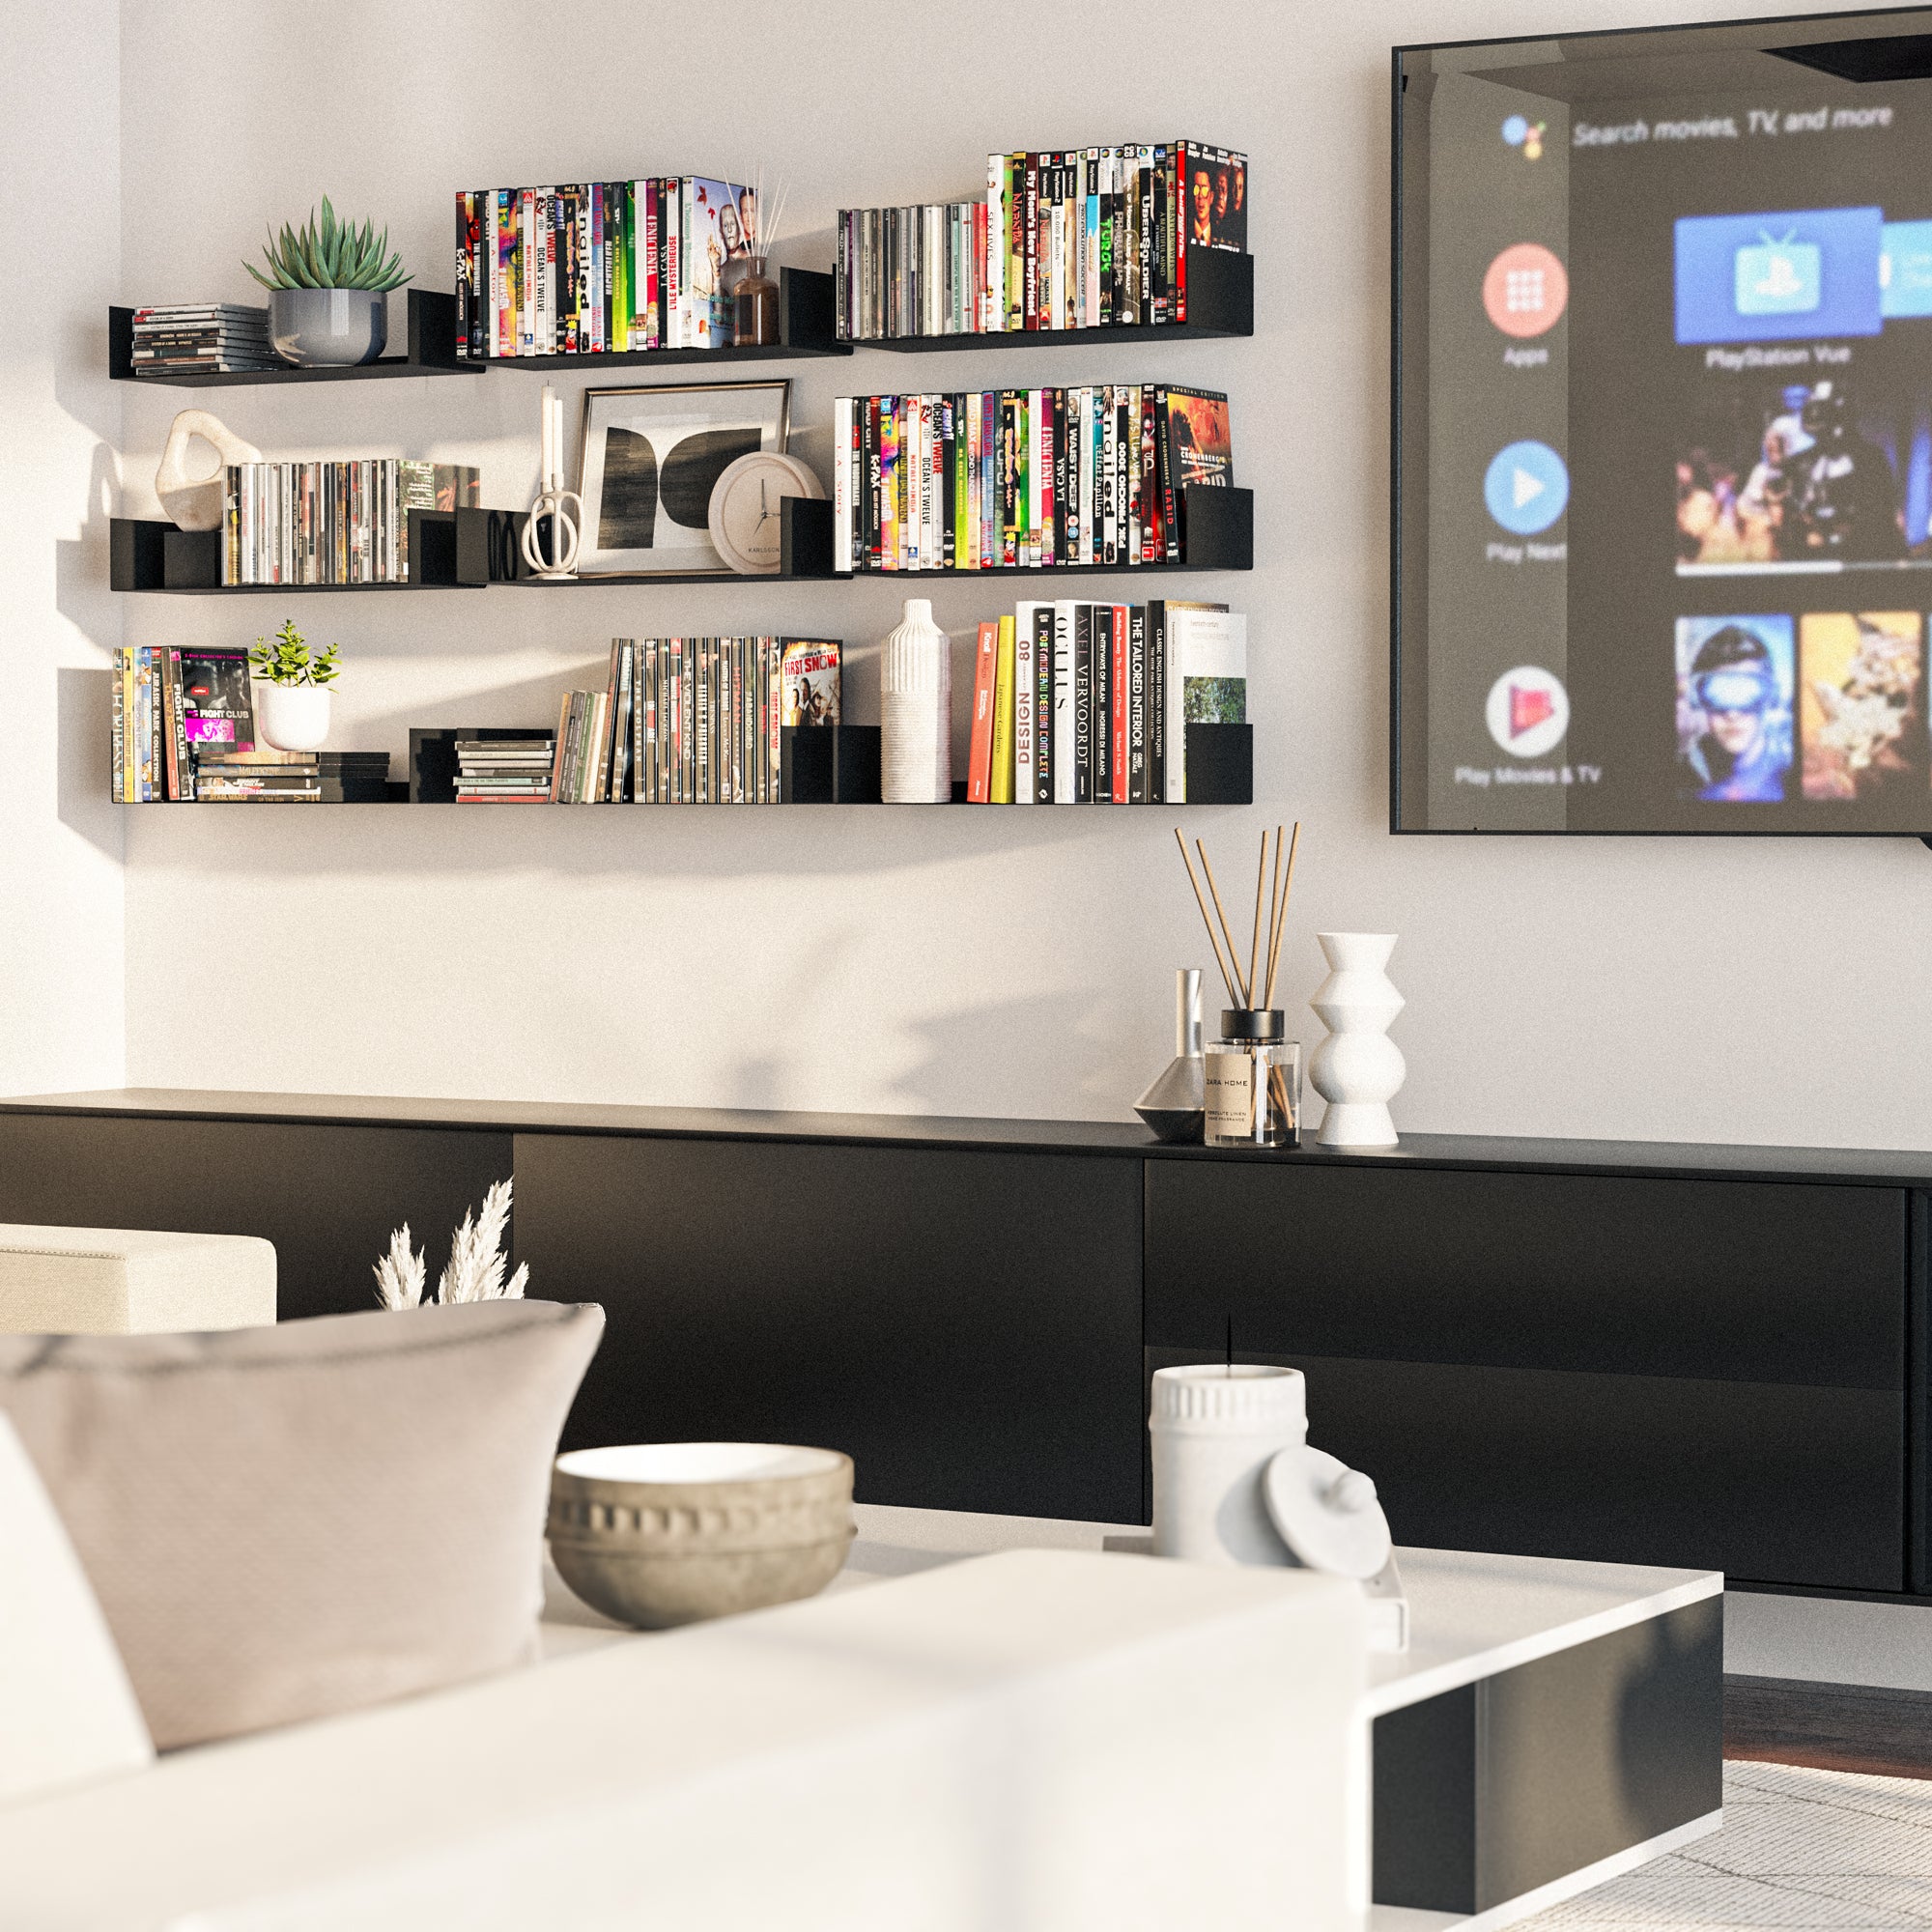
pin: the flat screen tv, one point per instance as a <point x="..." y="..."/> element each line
<point x="1662" y="434"/>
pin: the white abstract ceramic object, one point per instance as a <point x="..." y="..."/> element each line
<point x="1357" y="1070"/>
<point x="916" y="710"/>
<point x="293" y="716"/>
<point x="1215" y="1429"/>
<point x="198" y="501"/>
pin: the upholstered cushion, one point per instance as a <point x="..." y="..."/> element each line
<point x="284" y="1523"/>
<point x="125" y="1281"/>
<point x="66" y="1714"/>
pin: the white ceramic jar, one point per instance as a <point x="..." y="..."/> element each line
<point x="1215" y="1429"/>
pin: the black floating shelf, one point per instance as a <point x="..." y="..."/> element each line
<point x="1218" y="533"/>
<point x="450" y="549"/>
<point x="804" y="554"/>
<point x="1220" y="303"/>
<point x="432" y="352"/>
<point x="808" y="326"/>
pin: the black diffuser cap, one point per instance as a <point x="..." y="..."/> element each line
<point x="1263" y="1023"/>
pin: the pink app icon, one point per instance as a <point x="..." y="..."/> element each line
<point x="1525" y="289"/>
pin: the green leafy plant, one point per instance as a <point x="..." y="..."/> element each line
<point x="285" y="659"/>
<point x="330" y="254"/>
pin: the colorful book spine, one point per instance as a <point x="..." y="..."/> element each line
<point x="1002" y="717"/>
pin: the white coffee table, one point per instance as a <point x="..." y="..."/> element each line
<point x="1551" y="1724"/>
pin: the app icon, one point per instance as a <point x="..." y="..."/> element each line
<point x="1527" y="135"/>
<point x="1528" y="711"/>
<point x="1526" y="488"/>
<point x="1905" y="268"/>
<point x="1779" y="278"/>
<point x="1804" y="273"/>
<point x="1525" y="290"/>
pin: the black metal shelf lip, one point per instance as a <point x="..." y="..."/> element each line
<point x="1052" y="338"/>
<point x="641" y="358"/>
<point x="630" y="581"/>
<point x="1047" y="570"/>
<point x="243" y="378"/>
<point x="1220" y="302"/>
<point x="284" y="589"/>
<point x="429" y="330"/>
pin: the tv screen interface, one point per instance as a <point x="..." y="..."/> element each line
<point x="1664" y="450"/>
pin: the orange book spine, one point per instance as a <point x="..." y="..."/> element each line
<point x="985" y="670"/>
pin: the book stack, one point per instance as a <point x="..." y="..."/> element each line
<point x="166" y="705"/>
<point x="505" y="771"/>
<point x="602" y="267"/>
<point x="1078" y="239"/>
<point x="1078" y="703"/>
<point x="268" y="776"/>
<point x="1022" y="478"/>
<point x="205" y="339"/>
<point x="334" y="523"/>
<point x="692" y="720"/>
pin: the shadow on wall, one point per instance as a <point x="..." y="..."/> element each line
<point x="994" y="1035"/>
<point x="84" y="703"/>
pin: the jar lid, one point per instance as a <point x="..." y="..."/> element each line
<point x="1263" y="1023"/>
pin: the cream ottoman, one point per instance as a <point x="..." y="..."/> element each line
<point x="121" y="1281"/>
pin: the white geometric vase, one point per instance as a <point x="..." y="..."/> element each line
<point x="1357" y="1070"/>
<point x="916" y="711"/>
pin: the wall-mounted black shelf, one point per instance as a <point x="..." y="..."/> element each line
<point x="1218" y="533"/>
<point x="1220" y="303"/>
<point x="820" y="764"/>
<point x="804" y="554"/>
<point x="431" y="335"/>
<point x="808" y="326"/>
<point x="449" y="550"/>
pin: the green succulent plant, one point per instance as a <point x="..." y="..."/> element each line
<point x="285" y="659"/>
<point x="330" y="254"/>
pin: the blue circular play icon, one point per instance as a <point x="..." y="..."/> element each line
<point x="1526" y="488"/>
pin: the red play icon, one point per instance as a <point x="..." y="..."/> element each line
<point x="1528" y="708"/>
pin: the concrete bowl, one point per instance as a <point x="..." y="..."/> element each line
<point x="657" y="1534"/>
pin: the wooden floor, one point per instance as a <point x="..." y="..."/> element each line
<point x="1830" y="1727"/>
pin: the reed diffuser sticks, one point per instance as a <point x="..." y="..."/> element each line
<point x="1256" y="988"/>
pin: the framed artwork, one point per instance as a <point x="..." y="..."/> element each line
<point x="651" y="459"/>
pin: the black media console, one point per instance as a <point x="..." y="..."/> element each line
<point x="1647" y="1352"/>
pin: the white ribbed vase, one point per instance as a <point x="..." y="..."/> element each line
<point x="1357" y="1070"/>
<point x="916" y="711"/>
<point x="1214" y="1431"/>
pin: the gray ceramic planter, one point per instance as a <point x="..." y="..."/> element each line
<point x="329" y="329"/>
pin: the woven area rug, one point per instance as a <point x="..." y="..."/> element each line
<point x="1830" y="1850"/>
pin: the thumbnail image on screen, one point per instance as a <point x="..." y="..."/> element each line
<point x="1734" y="708"/>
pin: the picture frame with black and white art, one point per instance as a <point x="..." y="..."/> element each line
<point x="651" y="459"/>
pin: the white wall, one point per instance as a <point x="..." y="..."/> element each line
<point x="61" y="1014"/>
<point x="995" y="962"/>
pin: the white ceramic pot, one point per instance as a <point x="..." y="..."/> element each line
<point x="1357" y="1070"/>
<point x="291" y="717"/>
<point x="1214" y="1431"/>
<point x="916" y="711"/>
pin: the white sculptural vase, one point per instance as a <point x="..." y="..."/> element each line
<point x="916" y="711"/>
<point x="293" y="716"/>
<point x="1357" y="1070"/>
<point x="199" y="502"/>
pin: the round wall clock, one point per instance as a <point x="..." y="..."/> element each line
<point x="744" y="515"/>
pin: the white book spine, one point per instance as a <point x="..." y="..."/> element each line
<point x="1065" y="777"/>
<point x="1024" y="674"/>
<point x="841" y="484"/>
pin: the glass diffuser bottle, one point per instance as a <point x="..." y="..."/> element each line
<point x="1253" y="1081"/>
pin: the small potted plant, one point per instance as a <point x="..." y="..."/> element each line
<point x="293" y="711"/>
<point x="327" y="288"/>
